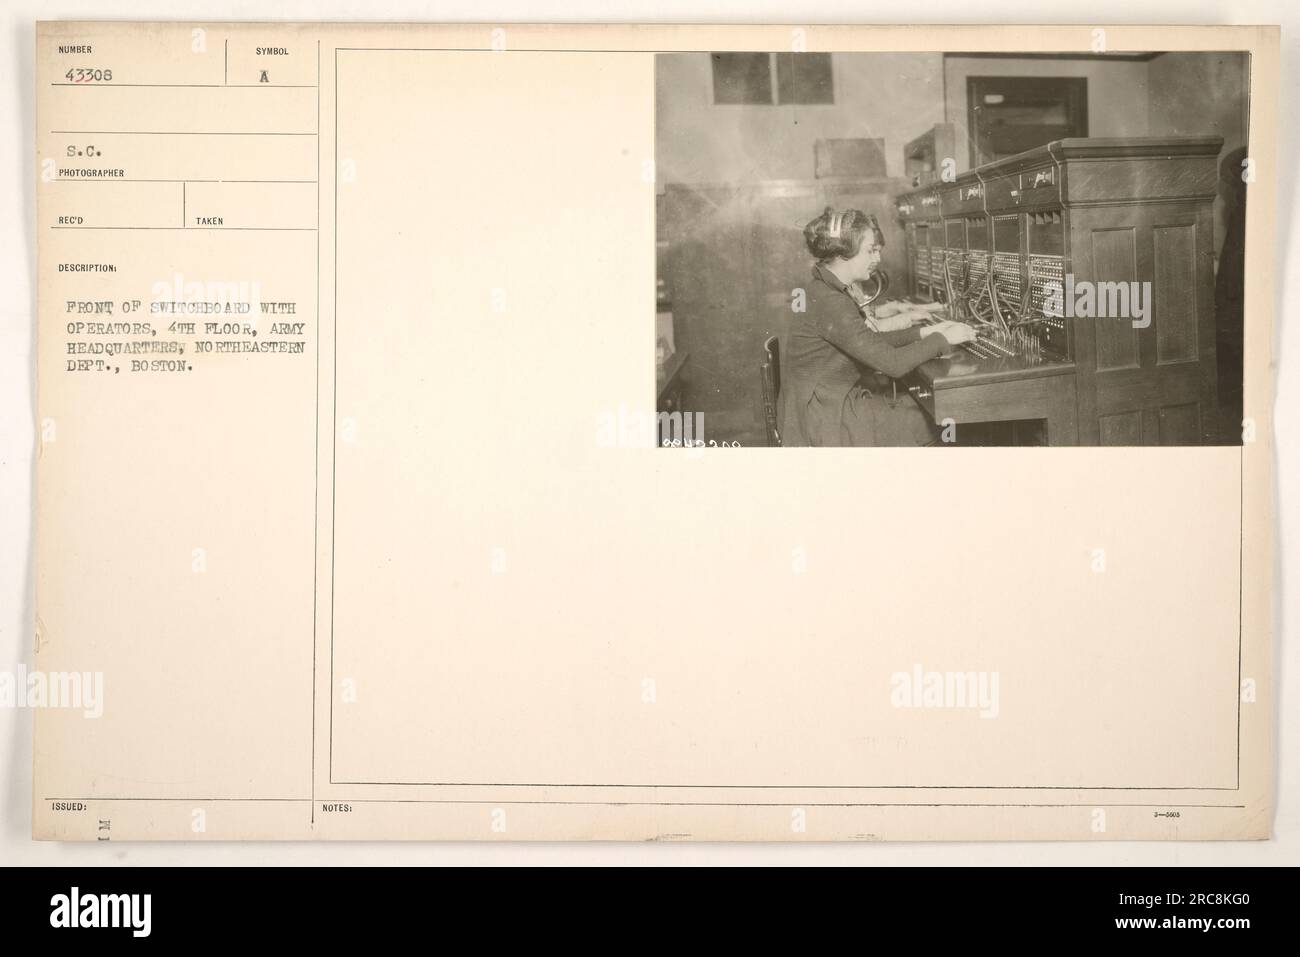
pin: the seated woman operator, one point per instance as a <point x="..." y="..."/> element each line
<point x="826" y="399"/>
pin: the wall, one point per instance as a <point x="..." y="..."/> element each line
<point x="1203" y="93"/>
<point x="897" y="96"/>
<point x="1200" y="93"/>
<point x="900" y="96"/>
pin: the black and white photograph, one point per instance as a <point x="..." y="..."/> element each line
<point x="930" y="249"/>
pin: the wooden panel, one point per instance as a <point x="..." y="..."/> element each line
<point x="1122" y="428"/>
<point x="1050" y="398"/>
<point x="1143" y="389"/>
<point x="1138" y="180"/>
<point x="1150" y="426"/>
<point x="1174" y="293"/>
<point x="1180" y="424"/>
<point x="1114" y="259"/>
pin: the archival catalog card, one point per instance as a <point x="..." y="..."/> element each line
<point x="505" y="432"/>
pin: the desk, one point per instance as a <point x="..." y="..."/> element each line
<point x="966" y="389"/>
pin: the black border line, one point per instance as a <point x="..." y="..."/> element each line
<point x="334" y="397"/>
<point x="315" y="509"/>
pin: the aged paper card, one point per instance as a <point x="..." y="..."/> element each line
<point x="355" y="518"/>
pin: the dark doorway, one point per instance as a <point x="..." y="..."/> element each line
<point x="1011" y="114"/>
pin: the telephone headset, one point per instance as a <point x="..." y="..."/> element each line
<point x="863" y="291"/>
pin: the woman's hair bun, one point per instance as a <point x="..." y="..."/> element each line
<point x="839" y="235"/>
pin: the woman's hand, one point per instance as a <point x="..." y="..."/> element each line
<point x="954" y="332"/>
<point x="959" y="332"/>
